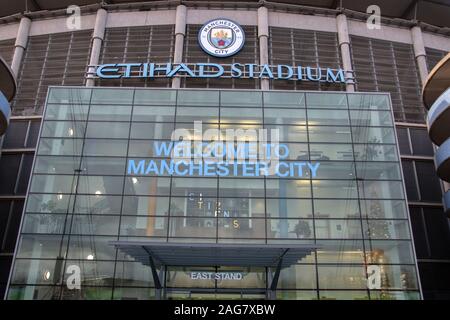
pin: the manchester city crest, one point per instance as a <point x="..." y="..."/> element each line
<point x="221" y="37"/>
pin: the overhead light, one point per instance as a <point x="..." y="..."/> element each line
<point x="98" y="192"/>
<point x="90" y="257"/>
<point x="60" y="196"/>
<point x="70" y="132"/>
<point x="135" y="180"/>
<point x="46" y="275"/>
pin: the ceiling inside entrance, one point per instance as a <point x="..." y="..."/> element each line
<point x="433" y="12"/>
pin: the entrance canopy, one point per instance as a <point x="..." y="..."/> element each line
<point x="163" y="254"/>
<point x="214" y="254"/>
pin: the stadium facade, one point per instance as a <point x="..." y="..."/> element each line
<point x="167" y="150"/>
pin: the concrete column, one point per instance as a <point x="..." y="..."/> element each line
<point x="97" y="40"/>
<point x="263" y="36"/>
<point x="21" y="44"/>
<point x="180" y="32"/>
<point x="344" y="46"/>
<point x="419" y="53"/>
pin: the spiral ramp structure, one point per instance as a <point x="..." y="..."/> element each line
<point x="436" y="98"/>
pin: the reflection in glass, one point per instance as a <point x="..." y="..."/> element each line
<point x="143" y="226"/>
<point x="289" y="208"/>
<point x="110" y="113"/>
<point x="153" y="114"/>
<point x="290" y="228"/>
<point x="66" y="112"/>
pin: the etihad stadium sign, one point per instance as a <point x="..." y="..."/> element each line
<point x="215" y="70"/>
<point x="220" y="38"/>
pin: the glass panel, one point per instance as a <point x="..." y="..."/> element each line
<point x="288" y="133"/>
<point x="348" y="209"/>
<point x="285" y="116"/>
<point x="63" y="147"/>
<point x="290" y="228"/>
<point x="342" y="277"/>
<point x="381" y="189"/>
<point x="100" y="185"/>
<point x="50" y="164"/>
<point x="375" y="152"/>
<point x="383" y="209"/>
<point x="340" y="251"/>
<point x="63" y="129"/>
<point x="343" y="295"/>
<point x="288" y="188"/>
<point x="110" y="113"/>
<point x="289" y="208"/>
<point x="143" y="226"/>
<point x="105" y="147"/>
<point x="153" y="114"/>
<point x="328" y="117"/>
<point x="379" y="171"/>
<point x="40" y="246"/>
<point x="373" y="135"/>
<point x="133" y="274"/>
<point x="394" y="295"/>
<point x="298" y="277"/>
<point x="331" y="152"/>
<point x="51" y="203"/>
<point x="241" y="188"/>
<point x="338" y="229"/>
<point x="147" y="186"/>
<point x="386" y="229"/>
<point x="370" y="118"/>
<point x="155" y="97"/>
<point x="112" y="130"/>
<point x="335" y="170"/>
<point x="33" y="272"/>
<point x="44" y="223"/>
<point x="94" y="225"/>
<point x="113" y="96"/>
<point x="98" y="204"/>
<point x="191" y="114"/>
<point x="389" y="251"/>
<point x="236" y="228"/>
<point x="145" y="205"/>
<point x="334" y="189"/>
<point x="365" y="101"/>
<point x="151" y="130"/>
<point x="103" y="166"/>
<point x="87" y="247"/>
<point x="68" y="95"/>
<point x="198" y="98"/>
<point x="66" y="112"/>
<point x="297" y="151"/>
<point x="192" y="227"/>
<point x="240" y="98"/>
<point x="284" y="99"/>
<point x="320" y="100"/>
<point x="53" y="184"/>
<point x="329" y="134"/>
<point x="241" y="115"/>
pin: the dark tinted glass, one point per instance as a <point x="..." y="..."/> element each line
<point x="9" y="167"/>
<point x="410" y="180"/>
<point x="16" y="134"/>
<point x="33" y="134"/>
<point x="25" y="170"/>
<point x="419" y="232"/>
<point x="438" y="233"/>
<point x="13" y="226"/>
<point x="429" y="185"/>
<point x="403" y="141"/>
<point x="421" y="144"/>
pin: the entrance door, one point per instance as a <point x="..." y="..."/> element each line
<point x="211" y="294"/>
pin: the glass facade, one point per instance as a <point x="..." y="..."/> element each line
<point x="83" y="195"/>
